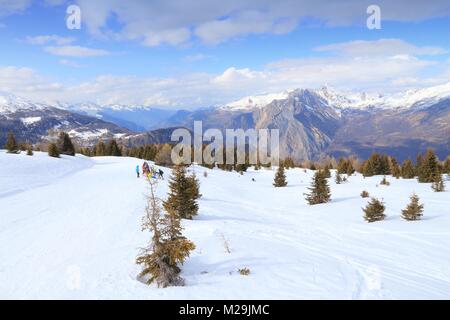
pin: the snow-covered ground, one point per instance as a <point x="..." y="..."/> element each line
<point x="70" y="229"/>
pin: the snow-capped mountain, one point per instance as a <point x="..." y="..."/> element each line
<point x="324" y="121"/>
<point x="341" y="100"/>
<point x="33" y="122"/>
<point x="312" y="122"/>
<point x="10" y="103"/>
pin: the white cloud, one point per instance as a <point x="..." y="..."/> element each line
<point x="76" y="51"/>
<point x="382" y="47"/>
<point x="354" y="69"/>
<point x="248" y="22"/>
<point x="46" y="39"/>
<point x="26" y="82"/>
<point x="8" y="7"/>
<point x="172" y="37"/>
<point x="233" y="76"/>
<point x="175" y="22"/>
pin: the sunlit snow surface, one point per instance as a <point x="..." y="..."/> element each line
<point x="70" y="229"/>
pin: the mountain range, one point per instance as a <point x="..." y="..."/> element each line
<point x="312" y="122"/>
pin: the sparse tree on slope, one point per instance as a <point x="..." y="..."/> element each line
<point x="167" y="249"/>
<point x="395" y="168"/>
<point x="280" y="178"/>
<point x="113" y="149"/>
<point x="338" y="178"/>
<point x="385" y="182"/>
<point x="183" y="194"/>
<point x="327" y="171"/>
<point x="407" y="170"/>
<point x="428" y="167"/>
<point x="364" y="194"/>
<point x="342" y="166"/>
<point x="374" y="211"/>
<point x="11" y="144"/>
<point x="447" y="165"/>
<point x="376" y="165"/>
<point x="65" y="145"/>
<point x="53" y="150"/>
<point x="100" y="149"/>
<point x="438" y="184"/>
<point x="178" y="247"/>
<point x="288" y="163"/>
<point x="414" y="210"/>
<point x="319" y="192"/>
<point x="193" y="187"/>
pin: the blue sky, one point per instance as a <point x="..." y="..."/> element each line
<point x="177" y="53"/>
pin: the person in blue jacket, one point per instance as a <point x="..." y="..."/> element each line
<point x="137" y="171"/>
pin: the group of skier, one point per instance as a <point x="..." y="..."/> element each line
<point x="149" y="171"/>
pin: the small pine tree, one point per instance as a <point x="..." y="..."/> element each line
<point x="446" y="166"/>
<point x="167" y="248"/>
<point x="338" y="178"/>
<point x="377" y="164"/>
<point x="100" y="149"/>
<point x="350" y="169"/>
<point x="288" y="163"/>
<point x="407" y="171"/>
<point x="342" y="165"/>
<point x="395" y="168"/>
<point x="23" y="146"/>
<point x="113" y="149"/>
<point x="374" y="211"/>
<point x="385" y="182"/>
<point x="319" y="192"/>
<point x="414" y="210"/>
<point x="194" y="187"/>
<point x="53" y="150"/>
<point x="428" y="167"/>
<point x="30" y="150"/>
<point x="280" y="178"/>
<point x="65" y="145"/>
<point x="364" y="194"/>
<point x="438" y="184"/>
<point x="183" y="195"/>
<point x="326" y="171"/>
<point x="11" y="144"/>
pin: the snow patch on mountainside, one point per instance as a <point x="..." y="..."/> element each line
<point x="30" y="120"/>
<point x="89" y="134"/>
<point x="259" y="101"/>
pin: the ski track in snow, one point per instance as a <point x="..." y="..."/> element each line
<point x="70" y="229"/>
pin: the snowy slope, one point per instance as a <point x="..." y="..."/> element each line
<point x="22" y="173"/>
<point x="78" y="235"/>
